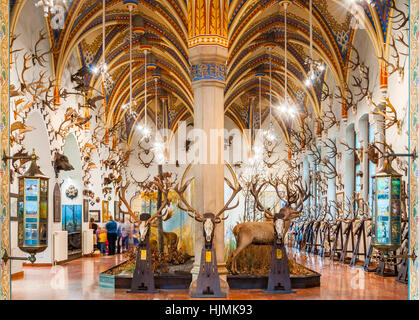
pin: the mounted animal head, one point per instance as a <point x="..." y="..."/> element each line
<point x="164" y="183"/>
<point x="61" y="163"/>
<point x="209" y="220"/>
<point x="146" y="222"/>
<point x="283" y="219"/>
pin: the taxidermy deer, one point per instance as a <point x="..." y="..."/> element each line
<point x="264" y="233"/>
<point x="209" y="220"/>
<point x="170" y="240"/>
<point x="165" y="183"/>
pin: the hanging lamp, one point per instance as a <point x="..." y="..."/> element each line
<point x="315" y="67"/>
<point x="270" y="134"/>
<point x="102" y="68"/>
<point x="158" y="145"/>
<point x="129" y="106"/>
<point x="286" y="107"/>
<point x="144" y="129"/>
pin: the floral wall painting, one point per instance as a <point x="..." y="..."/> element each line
<point x="4" y="132"/>
<point x="414" y="144"/>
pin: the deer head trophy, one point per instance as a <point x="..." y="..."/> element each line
<point x="164" y="183"/>
<point x="295" y="195"/>
<point x="209" y="220"/>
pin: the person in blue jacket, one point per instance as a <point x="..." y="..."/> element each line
<point x="111" y="228"/>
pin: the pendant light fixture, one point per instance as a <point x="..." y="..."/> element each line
<point x="158" y="145"/>
<point x="144" y="129"/>
<point x="102" y="68"/>
<point x="269" y="134"/>
<point x="50" y="7"/>
<point x="129" y="106"/>
<point x="316" y="67"/>
<point x="286" y="107"/>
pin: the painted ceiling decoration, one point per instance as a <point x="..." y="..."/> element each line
<point x="243" y="26"/>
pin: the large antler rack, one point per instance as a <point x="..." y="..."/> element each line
<point x="330" y="144"/>
<point x="162" y="182"/>
<point x="300" y="139"/>
<point x="396" y="67"/>
<point x="329" y="119"/>
<point x="389" y="114"/>
<point x="316" y="153"/>
<point x="193" y="213"/>
<point x="255" y="186"/>
<point x="345" y="95"/>
<point x="400" y="18"/>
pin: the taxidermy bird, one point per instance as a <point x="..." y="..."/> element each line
<point x="91" y="102"/>
<point x="78" y="77"/>
<point x="14" y="92"/>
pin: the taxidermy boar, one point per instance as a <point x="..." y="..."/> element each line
<point x="61" y="163"/>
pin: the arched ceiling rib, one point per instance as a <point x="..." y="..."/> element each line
<point x="249" y="24"/>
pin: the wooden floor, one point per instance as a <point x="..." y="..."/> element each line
<point x="79" y="280"/>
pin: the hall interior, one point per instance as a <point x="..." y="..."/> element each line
<point x="260" y="144"/>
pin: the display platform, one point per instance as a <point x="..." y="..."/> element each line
<point x="182" y="280"/>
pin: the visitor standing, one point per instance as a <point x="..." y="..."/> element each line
<point x="101" y="240"/>
<point x="122" y="233"/>
<point x="118" y="236"/>
<point x="130" y="230"/>
<point x="111" y="228"/>
<point x="93" y="225"/>
<point x="135" y="235"/>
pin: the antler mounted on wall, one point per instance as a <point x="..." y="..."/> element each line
<point x="400" y="18"/>
<point x="389" y="113"/>
<point x="396" y="67"/>
<point x="329" y="118"/>
<point x="145" y="152"/>
<point x="347" y="98"/>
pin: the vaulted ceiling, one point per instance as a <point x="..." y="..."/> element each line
<point x="252" y="23"/>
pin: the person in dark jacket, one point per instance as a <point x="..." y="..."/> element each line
<point x="111" y="228"/>
<point x="93" y="225"/>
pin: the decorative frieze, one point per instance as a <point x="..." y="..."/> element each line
<point x="4" y="150"/>
<point x="208" y="71"/>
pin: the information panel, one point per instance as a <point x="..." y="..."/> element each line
<point x="383" y="211"/>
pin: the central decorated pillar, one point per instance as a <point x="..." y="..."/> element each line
<point x="208" y="52"/>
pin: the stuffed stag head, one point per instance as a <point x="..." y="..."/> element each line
<point x="295" y="198"/>
<point x="164" y="183"/>
<point x="208" y="220"/>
